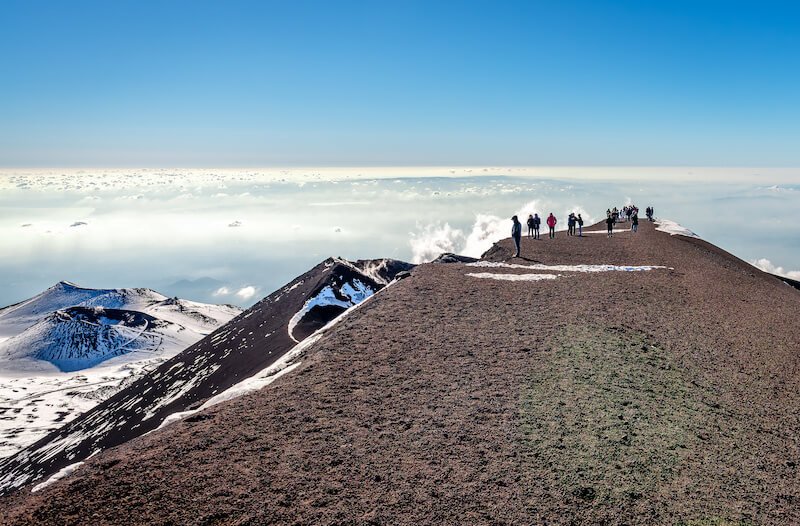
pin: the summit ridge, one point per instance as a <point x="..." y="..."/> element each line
<point x="658" y="396"/>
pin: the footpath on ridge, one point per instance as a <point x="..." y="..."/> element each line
<point x="663" y="396"/>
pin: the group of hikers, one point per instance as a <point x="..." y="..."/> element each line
<point x="535" y="223"/>
<point x="628" y="213"/>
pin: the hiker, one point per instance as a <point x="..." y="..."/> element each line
<point x="571" y="224"/>
<point x="530" y="225"/>
<point x="516" y="233"/>
<point x="610" y="223"/>
<point x="580" y="226"/>
<point x="635" y="221"/>
<point x="537" y="222"/>
<point x="551" y="223"/>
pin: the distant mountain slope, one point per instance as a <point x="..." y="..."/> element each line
<point x="74" y="328"/>
<point x="16" y="318"/>
<point x="243" y="347"/>
<point x="57" y="364"/>
<point x="481" y="394"/>
<point x="80" y="337"/>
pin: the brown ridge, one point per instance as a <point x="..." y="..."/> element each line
<point x="660" y="397"/>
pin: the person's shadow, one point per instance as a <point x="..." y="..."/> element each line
<point x="527" y="259"/>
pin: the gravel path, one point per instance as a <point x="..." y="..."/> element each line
<point x="666" y="396"/>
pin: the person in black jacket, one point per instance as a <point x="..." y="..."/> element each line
<point x="530" y="225"/>
<point x="537" y="222"/>
<point x="610" y="224"/>
<point x="516" y="233"/>
<point x="580" y="226"/>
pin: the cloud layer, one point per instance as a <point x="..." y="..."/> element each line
<point x="767" y="266"/>
<point x="239" y="229"/>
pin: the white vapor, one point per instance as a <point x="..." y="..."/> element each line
<point x="486" y="230"/>
<point x="434" y="239"/>
<point x="246" y="293"/>
<point x="767" y="266"/>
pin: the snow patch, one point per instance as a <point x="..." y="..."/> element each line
<point x="514" y="277"/>
<point x="568" y="268"/>
<point x="674" y="229"/>
<point x="63" y="473"/>
<point x="353" y="293"/>
<point x="254" y="383"/>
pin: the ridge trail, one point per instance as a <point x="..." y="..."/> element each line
<point x="665" y="396"/>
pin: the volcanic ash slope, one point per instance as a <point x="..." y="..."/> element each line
<point x="249" y="352"/>
<point x="626" y="395"/>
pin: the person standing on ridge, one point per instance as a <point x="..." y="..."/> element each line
<point x="571" y="224"/>
<point x="530" y="225"/>
<point x="516" y="233"/>
<point x="551" y="223"/>
<point x="580" y="226"/>
<point x="635" y="221"/>
<point x="610" y="224"/>
<point x="537" y="222"/>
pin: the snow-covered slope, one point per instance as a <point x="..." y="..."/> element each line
<point x="16" y="318"/>
<point x="348" y="284"/>
<point x="72" y="328"/>
<point x="352" y="283"/>
<point x="69" y="348"/>
<point x="199" y="317"/>
<point x="81" y="337"/>
<point x="241" y="349"/>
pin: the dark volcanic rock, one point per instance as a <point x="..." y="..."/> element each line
<point x="382" y="270"/>
<point x="789" y="281"/>
<point x="449" y="257"/>
<point x="403" y="275"/>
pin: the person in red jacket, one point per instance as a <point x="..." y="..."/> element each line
<point x="551" y="222"/>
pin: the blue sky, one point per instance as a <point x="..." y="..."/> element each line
<point x="193" y="83"/>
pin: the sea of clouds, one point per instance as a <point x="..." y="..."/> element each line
<point x="234" y="236"/>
